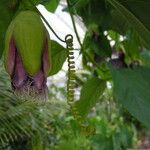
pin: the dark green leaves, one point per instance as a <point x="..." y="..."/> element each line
<point x="50" y="5"/>
<point x="145" y="57"/>
<point x="91" y="11"/>
<point x="36" y="2"/>
<point x="132" y="45"/>
<point x="132" y="89"/>
<point x="59" y="55"/>
<point x="7" y="10"/>
<point x="98" y="43"/>
<point x="118" y="23"/>
<point x="90" y="94"/>
<point x="136" y="14"/>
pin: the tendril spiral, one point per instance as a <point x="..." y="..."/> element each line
<point x="88" y="130"/>
<point x="71" y="77"/>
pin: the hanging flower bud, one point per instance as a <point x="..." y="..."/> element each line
<point x="27" y="52"/>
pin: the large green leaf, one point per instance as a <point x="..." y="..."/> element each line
<point x="92" y="11"/>
<point x="59" y="55"/>
<point x="117" y="23"/>
<point x="7" y="10"/>
<point x="131" y="87"/>
<point x="136" y="14"/>
<point x="90" y="94"/>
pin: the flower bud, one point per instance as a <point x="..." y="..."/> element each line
<point x="27" y="50"/>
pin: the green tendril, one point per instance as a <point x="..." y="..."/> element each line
<point x="87" y="130"/>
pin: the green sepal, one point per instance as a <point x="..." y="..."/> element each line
<point x="30" y="37"/>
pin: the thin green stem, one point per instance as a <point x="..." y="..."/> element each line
<point x="74" y="25"/>
<point x="47" y="22"/>
<point x="78" y="38"/>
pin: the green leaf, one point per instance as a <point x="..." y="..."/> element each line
<point x="145" y="57"/>
<point x="136" y="14"/>
<point x="118" y="23"/>
<point x="98" y="43"/>
<point x="58" y="55"/>
<point x="131" y="87"/>
<point x="51" y="5"/>
<point x="132" y="45"/>
<point x="36" y="2"/>
<point x="102" y="142"/>
<point x="90" y="94"/>
<point x="122" y="137"/>
<point x="92" y="11"/>
<point x="7" y="10"/>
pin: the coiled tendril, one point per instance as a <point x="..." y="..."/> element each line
<point x="71" y="76"/>
<point x="88" y="130"/>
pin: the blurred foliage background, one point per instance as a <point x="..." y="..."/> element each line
<point x="26" y="124"/>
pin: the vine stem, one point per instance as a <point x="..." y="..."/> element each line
<point x="78" y="38"/>
<point x="47" y="22"/>
<point x="74" y="25"/>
